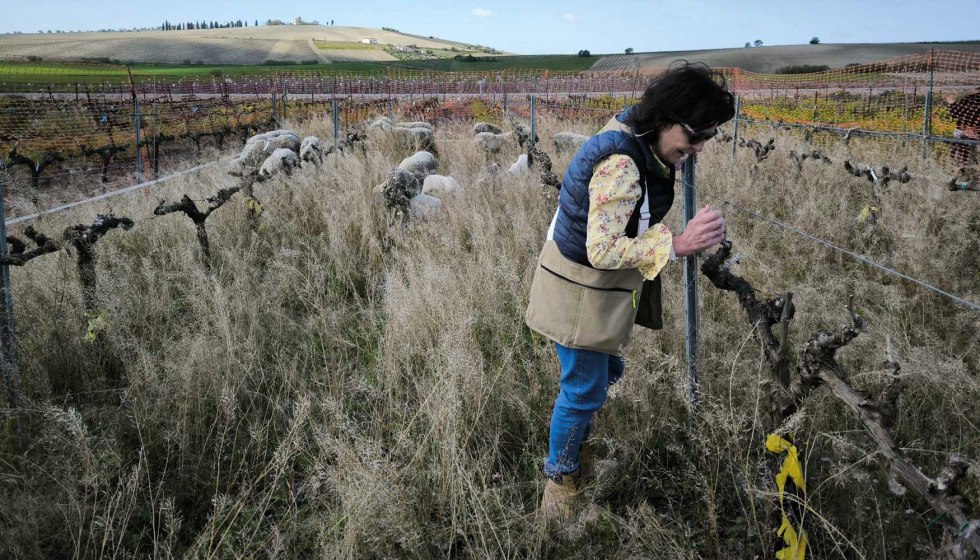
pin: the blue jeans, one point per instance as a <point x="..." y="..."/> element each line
<point x="585" y="379"/>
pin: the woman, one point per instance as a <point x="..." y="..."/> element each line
<point x="599" y="270"/>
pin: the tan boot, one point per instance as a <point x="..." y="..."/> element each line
<point x="563" y="500"/>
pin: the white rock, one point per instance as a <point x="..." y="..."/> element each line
<point x="440" y="186"/>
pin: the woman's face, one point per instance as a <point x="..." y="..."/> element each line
<point x="674" y="145"/>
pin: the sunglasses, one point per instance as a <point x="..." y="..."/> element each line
<point x="694" y="137"/>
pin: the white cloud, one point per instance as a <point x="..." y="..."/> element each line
<point x="482" y="12"/>
<point x="569" y="17"/>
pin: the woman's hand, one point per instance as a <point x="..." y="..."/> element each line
<point x="705" y="230"/>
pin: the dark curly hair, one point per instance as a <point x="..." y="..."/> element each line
<point x="689" y="93"/>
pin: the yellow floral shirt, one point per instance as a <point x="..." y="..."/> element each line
<point x="613" y="193"/>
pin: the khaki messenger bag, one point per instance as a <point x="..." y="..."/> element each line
<point x="581" y="307"/>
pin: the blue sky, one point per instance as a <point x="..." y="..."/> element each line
<point x="601" y="26"/>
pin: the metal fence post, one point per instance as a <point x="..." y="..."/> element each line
<point x="153" y="154"/>
<point x="11" y="370"/>
<point x="905" y="100"/>
<point x="283" y="97"/>
<point x="932" y="68"/>
<point x="139" y="143"/>
<point x="534" y="103"/>
<point x="926" y="123"/>
<point x="336" y="124"/>
<point x="688" y="210"/>
<point x="275" y="111"/>
<point x="505" y="100"/>
<point x="738" y="108"/>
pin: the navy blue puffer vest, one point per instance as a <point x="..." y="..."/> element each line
<point x="573" y="200"/>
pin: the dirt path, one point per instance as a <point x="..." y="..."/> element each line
<point x="320" y="55"/>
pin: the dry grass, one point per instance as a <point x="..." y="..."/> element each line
<point x="241" y="45"/>
<point x="767" y="60"/>
<point x="339" y="390"/>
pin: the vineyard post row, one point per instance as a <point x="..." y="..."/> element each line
<point x="50" y="121"/>
<point x="8" y="354"/>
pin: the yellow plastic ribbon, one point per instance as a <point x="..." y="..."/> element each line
<point x="866" y="213"/>
<point x="790" y="470"/>
<point x="97" y="324"/>
<point x="795" y="544"/>
<point x="254" y="207"/>
<point x="791" y="464"/>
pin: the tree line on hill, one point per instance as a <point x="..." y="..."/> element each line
<point x="758" y="42"/>
<point x="183" y="26"/>
<point x="167" y="26"/>
<point x="297" y="21"/>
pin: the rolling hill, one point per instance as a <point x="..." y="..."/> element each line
<point x="245" y="45"/>
<point x="770" y="59"/>
<point x="335" y="44"/>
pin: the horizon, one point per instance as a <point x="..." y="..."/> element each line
<point x="582" y="24"/>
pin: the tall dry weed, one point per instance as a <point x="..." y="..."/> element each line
<point x="339" y="388"/>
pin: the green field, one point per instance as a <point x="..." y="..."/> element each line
<point x="552" y="62"/>
<point x="347" y="46"/>
<point x="16" y="72"/>
<point x="71" y="72"/>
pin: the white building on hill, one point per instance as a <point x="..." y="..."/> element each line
<point x="370" y="41"/>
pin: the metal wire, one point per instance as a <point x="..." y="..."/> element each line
<point x="128" y="165"/>
<point x="862" y="132"/>
<point x="842" y="250"/>
<point x="109" y="194"/>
